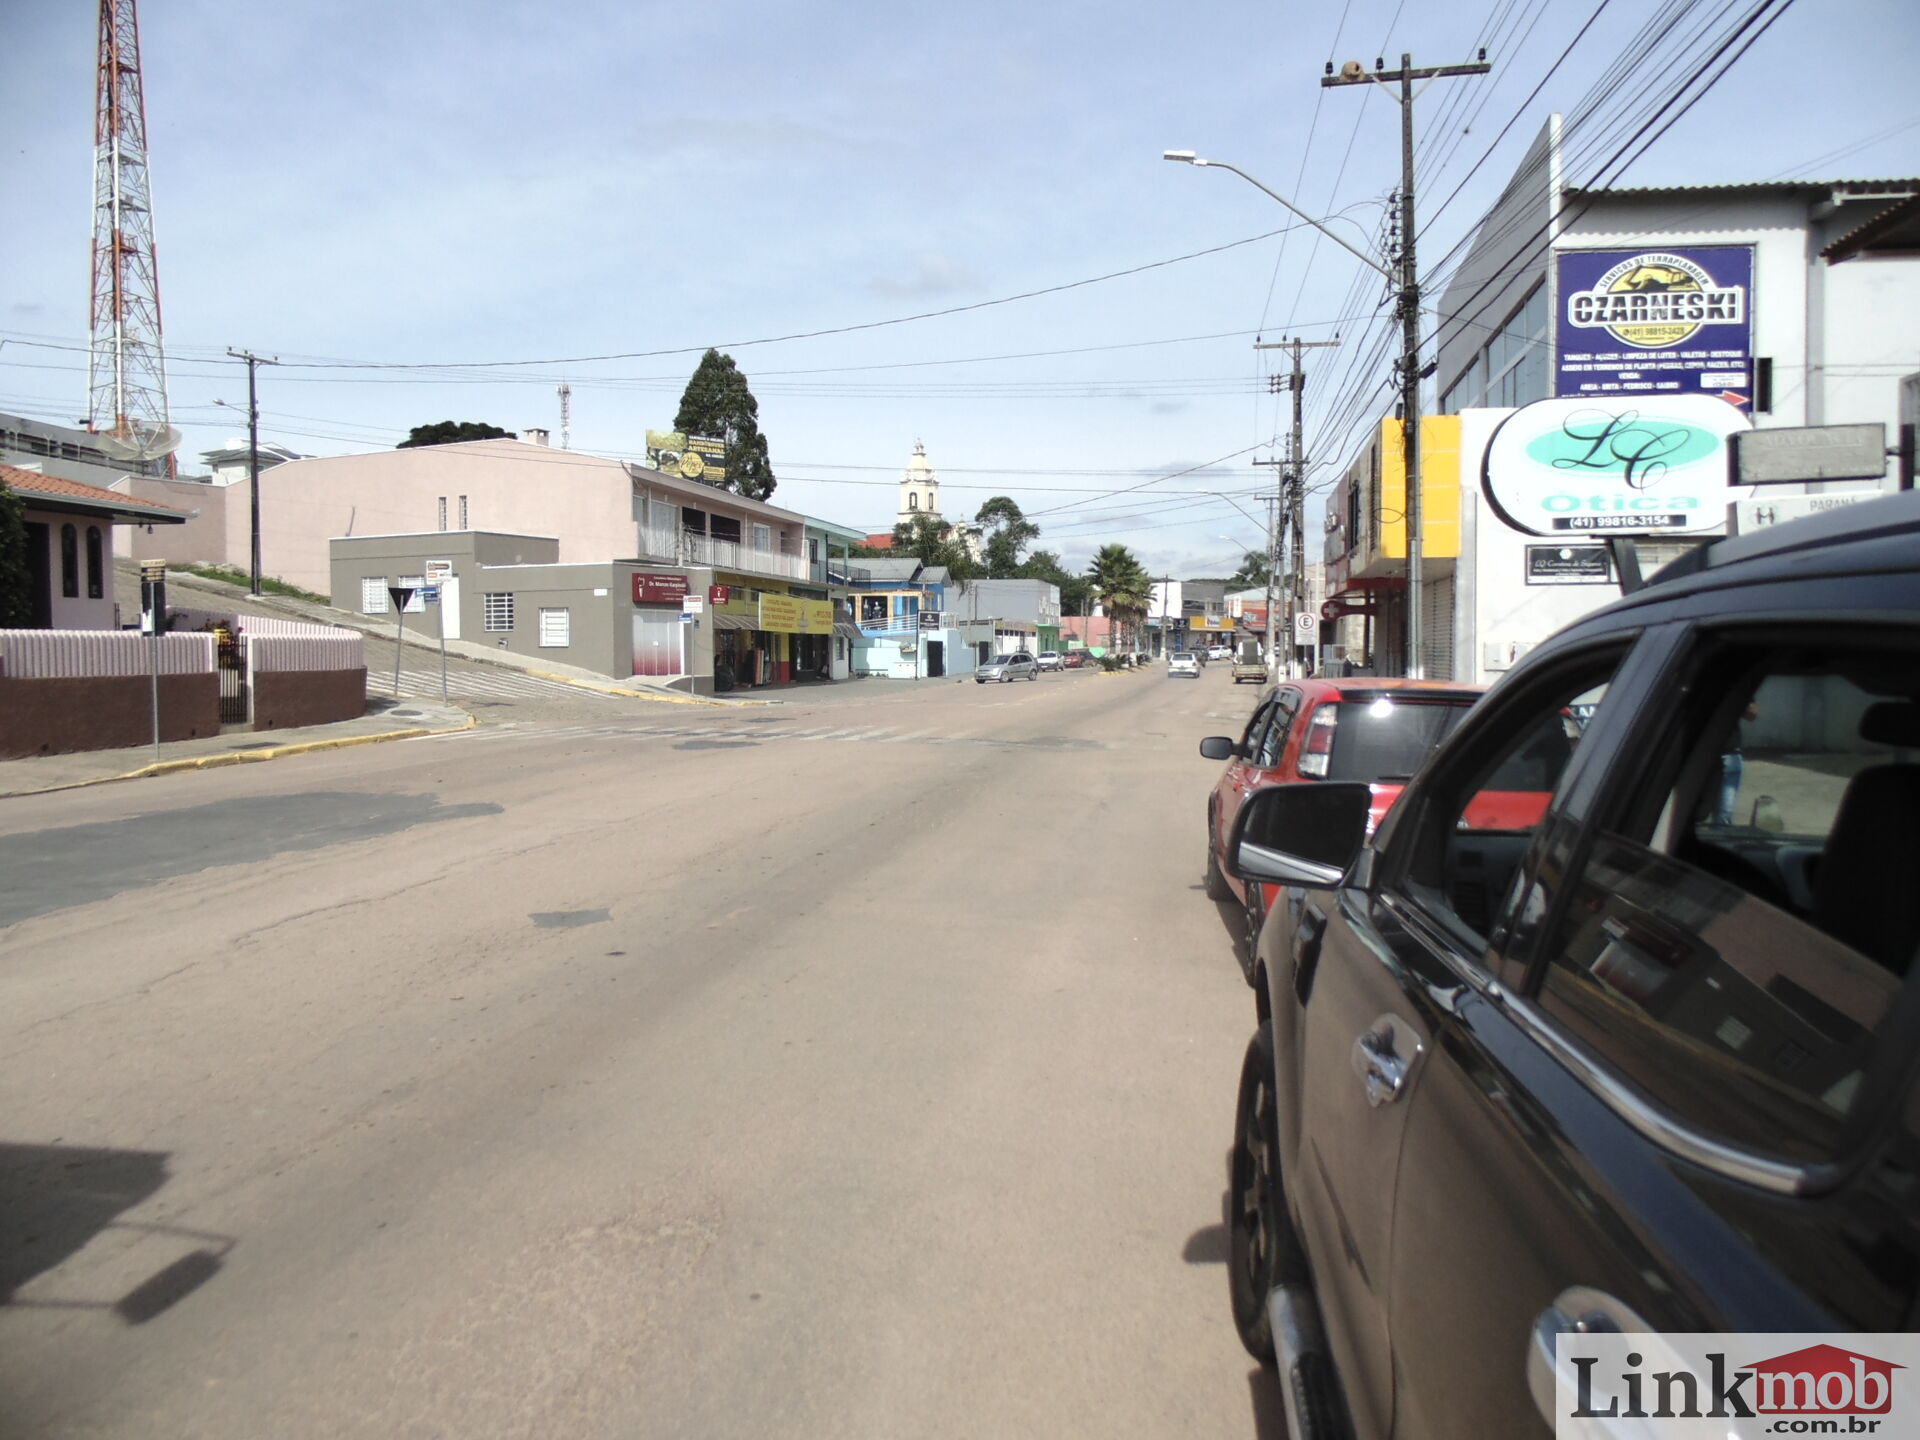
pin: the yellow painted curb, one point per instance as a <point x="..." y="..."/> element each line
<point x="277" y="752"/>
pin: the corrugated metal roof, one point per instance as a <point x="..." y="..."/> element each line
<point x="1895" y="228"/>
<point x="1905" y="186"/>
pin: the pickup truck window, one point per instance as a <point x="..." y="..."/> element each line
<point x="1478" y="812"/>
<point x="1738" y="953"/>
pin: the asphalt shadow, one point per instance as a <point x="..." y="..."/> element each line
<point x="48" y="870"/>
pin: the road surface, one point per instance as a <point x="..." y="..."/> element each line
<point x="861" y="1065"/>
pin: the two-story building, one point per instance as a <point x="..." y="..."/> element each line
<point x="1788" y="301"/>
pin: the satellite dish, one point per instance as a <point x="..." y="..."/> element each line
<point x="137" y="442"/>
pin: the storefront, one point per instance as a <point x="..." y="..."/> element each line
<point x="769" y="637"/>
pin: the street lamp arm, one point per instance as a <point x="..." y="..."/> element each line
<point x="1189" y="158"/>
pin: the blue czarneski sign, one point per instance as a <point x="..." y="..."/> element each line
<point x="1652" y="322"/>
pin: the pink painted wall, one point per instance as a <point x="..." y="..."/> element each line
<point x="201" y="541"/>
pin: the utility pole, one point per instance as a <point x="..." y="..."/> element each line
<point x="1353" y="73"/>
<point x="1276" y="543"/>
<point x="254" y="362"/>
<point x="1295" y="494"/>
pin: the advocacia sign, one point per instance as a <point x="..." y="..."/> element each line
<point x="1627" y="465"/>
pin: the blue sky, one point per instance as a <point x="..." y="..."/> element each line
<point x="446" y="185"/>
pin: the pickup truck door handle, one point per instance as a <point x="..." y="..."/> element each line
<point x="1383" y="1057"/>
<point x="1578" y="1310"/>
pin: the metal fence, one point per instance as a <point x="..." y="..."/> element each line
<point x="235" y="689"/>
<point x="61" y="654"/>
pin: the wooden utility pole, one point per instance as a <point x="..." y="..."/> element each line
<point x="254" y="362"/>
<point x="1353" y="73"/>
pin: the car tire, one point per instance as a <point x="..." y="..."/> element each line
<point x="1033" y="675"/>
<point x="1262" y="1249"/>
<point x="1216" y="882"/>
<point x="1256" y="916"/>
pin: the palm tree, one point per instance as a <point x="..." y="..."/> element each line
<point x="1122" y="586"/>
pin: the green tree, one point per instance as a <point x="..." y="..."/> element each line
<point x="718" y="405"/>
<point x="15" y="603"/>
<point x="452" y="432"/>
<point x="932" y="541"/>
<point x="1253" y="571"/>
<point x="1122" y="586"/>
<point x="1008" y="534"/>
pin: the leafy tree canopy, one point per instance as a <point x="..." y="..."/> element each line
<point x="933" y="541"/>
<point x="15" y="604"/>
<point x="1253" y="571"/>
<point x="717" y="403"/>
<point x="1008" y="534"/>
<point x="451" y="432"/>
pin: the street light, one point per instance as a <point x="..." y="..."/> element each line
<point x="1187" y="157"/>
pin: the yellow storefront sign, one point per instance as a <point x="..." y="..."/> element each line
<point x="780" y="614"/>
<point x="816" y="617"/>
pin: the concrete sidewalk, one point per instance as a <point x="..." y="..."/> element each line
<point x="386" y="719"/>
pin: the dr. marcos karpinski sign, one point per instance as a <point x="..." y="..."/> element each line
<point x="1629" y="465"/>
<point x="1655" y="322"/>
<point x="1727" y="1387"/>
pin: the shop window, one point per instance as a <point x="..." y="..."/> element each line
<point x="70" y="562"/>
<point x="96" y="564"/>
<point x="373" y="595"/>
<point x="556" y="627"/>
<point x="872" y="608"/>
<point x="497" y="611"/>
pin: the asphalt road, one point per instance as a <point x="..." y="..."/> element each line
<point x="861" y="1065"/>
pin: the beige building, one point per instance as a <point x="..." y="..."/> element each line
<point x="595" y="509"/>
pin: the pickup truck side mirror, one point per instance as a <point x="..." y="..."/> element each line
<point x="1218" y="747"/>
<point x="1307" y="835"/>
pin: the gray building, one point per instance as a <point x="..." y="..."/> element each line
<point x="618" y="618"/>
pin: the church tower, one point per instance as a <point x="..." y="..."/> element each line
<point x="919" y="487"/>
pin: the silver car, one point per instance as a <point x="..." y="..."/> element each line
<point x="1017" y="666"/>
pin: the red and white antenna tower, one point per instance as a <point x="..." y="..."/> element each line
<point x="126" y="368"/>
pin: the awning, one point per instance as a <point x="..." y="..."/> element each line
<point x="723" y="621"/>
<point x="847" y="630"/>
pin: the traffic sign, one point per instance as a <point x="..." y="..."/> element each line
<point x="1306" y="626"/>
<point x="429" y="594"/>
<point x="401" y="595"/>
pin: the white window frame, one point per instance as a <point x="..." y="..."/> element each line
<point x="496" y="607"/>
<point x="443" y="512"/>
<point x="556" y="633"/>
<point x="416" y="604"/>
<point x="762" y="539"/>
<point x="373" y="595"/>
<point x="463" y="513"/>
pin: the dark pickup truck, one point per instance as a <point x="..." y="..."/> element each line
<point x="1646" y="1065"/>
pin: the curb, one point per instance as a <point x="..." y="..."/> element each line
<point x="278" y="752"/>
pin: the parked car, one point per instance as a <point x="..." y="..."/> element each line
<point x="1074" y="660"/>
<point x="1048" y="660"/>
<point x="1183" y="662"/>
<point x="1647" y="1064"/>
<point x="1017" y="666"/>
<point x="1219" y="652"/>
<point x="1375" y="731"/>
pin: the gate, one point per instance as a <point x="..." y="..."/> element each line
<point x="231" y="664"/>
